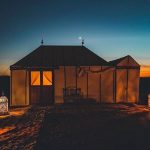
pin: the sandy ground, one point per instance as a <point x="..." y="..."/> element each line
<point x="20" y="129"/>
<point x="77" y="127"/>
<point x="95" y="127"/>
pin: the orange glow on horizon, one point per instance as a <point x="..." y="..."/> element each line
<point x="145" y="71"/>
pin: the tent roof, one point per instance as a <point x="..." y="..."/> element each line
<point x="126" y="61"/>
<point x="54" y="56"/>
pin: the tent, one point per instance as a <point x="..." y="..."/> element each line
<point x="50" y="73"/>
<point x="127" y="76"/>
<point x="56" y="74"/>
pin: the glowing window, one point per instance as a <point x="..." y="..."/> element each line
<point x="47" y="78"/>
<point x="35" y="78"/>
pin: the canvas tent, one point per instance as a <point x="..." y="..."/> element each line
<point x="127" y="73"/>
<point x="55" y="74"/>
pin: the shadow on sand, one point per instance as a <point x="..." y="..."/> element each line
<point x="97" y="127"/>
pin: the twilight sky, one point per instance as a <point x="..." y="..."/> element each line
<point x="111" y="28"/>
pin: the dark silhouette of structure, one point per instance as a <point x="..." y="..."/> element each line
<point x="144" y="90"/>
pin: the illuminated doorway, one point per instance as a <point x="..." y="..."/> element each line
<point x="41" y="87"/>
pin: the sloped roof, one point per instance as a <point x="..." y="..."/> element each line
<point x="116" y="61"/>
<point x="126" y="61"/>
<point x="53" y="56"/>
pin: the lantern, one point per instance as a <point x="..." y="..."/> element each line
<point x="3" y="105"/>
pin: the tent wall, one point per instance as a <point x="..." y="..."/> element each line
<point x="59" y="84"/>
<point x="19" y="88"/>
<point x="127" y="85"/>
<point x="27" y="88"/>
<point x="67" y="77"/>
<point x="94" y="83"/>
<point x="70" y="76"/>
<point x="82" y="80"/>
<point x="133" y="85"/>
<point x="121" y="85"/>
<point x="107" y="85"/>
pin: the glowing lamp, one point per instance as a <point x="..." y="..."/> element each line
<point x="3" y="105"/>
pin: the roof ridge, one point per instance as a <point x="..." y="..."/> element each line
<point x="117" y="61"/>
<point x="61" y="45"/>
<point x="58" y="55"/>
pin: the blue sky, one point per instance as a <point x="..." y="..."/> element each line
<point x="111" y="29"/>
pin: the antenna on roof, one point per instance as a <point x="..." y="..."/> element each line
<point x="42" y="41"/>
<point x="82" y="40"/>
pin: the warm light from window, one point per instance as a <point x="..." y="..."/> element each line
<point x="47" y="78"/>
<point x="35" y="78"/>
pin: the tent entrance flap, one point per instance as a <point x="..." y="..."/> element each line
<point x="41" y="87"/>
